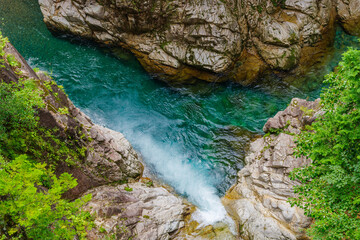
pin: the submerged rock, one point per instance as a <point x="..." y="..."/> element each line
<point x="258" y="201"/>
<point x="209" y="40"/>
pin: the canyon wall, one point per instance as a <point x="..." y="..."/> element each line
<point x="212" y="40"/>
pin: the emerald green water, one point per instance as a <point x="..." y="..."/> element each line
<point x="193" y="137"/>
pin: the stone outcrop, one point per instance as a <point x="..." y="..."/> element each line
<point x="212" y="40"/>
<point x="349" y="15"/>
<point x="217" y="231"/>
<point x="258" y="201"/>
<point x="136" y="210"/>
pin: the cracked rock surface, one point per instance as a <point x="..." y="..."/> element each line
<point x="136" y="211"/>
<point x="258" y="201"/>
<point x="211" y="40"/>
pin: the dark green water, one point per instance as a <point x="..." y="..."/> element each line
<point x="193" y="137"/>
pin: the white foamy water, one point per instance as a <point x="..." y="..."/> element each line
<point x="172" y="163"/>
<point x="190" y="181"/>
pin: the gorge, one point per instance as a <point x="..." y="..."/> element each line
<point x="192" y="137"/>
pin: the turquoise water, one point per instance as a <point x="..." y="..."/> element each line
<point x="193" y="137"/>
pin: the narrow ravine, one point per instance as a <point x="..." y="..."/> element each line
<point x="191" y="137"/>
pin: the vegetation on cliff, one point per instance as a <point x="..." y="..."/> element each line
<point x="330" y="186"/>
<point x="31" y="206"/>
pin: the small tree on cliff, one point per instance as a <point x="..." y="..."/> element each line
<point x="330" y="186"/>
<point x="31" y="206"/>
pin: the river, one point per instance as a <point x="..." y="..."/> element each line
<point x="193" y="137"/>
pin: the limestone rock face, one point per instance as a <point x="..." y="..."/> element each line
<point x="258" y="201"/>
<point x="136" y="210"/>
<point x="349" y="14"/>
<point x="210" y="40"/>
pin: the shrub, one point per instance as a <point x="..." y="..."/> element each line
<point x="31" y="206"/>
<point x="330" y="186"/>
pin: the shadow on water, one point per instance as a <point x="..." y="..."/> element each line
<point x="192" y="136"/>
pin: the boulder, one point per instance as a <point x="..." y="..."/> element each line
<point x="136" y="211"/>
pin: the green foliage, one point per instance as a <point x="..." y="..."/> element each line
<point x="330" y="190"/>
<point x="17" y="110"/>
<point x="149" y="184"/>
<point x="9" y="57"/>
<point x="20" y="132"/>
<point x="306" y="111"/>
<point x="128" y="189"/>
<point x="31" y="206"/>
<point x="275" y="131"/>
<point x="48" y="84"/>
<point x="3" y="42"/>
<point x="63" y="111"/>
<point x="12" y="61"/>
<point x="278" y="3"/>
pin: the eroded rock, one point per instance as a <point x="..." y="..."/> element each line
<point x="136" y="211"/>
<point x="258" y="201"/>
<point x="349" y="14"/>
<point x="209" y="39"/>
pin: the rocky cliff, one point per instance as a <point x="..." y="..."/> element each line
<point x="124" y="204"/>
<point x="212" y="40"/>
<point x="258" y="201"/>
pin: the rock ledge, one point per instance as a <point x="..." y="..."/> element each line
<point x="258" y="201"/>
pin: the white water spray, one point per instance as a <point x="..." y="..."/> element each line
<point x="172" y="167"/>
